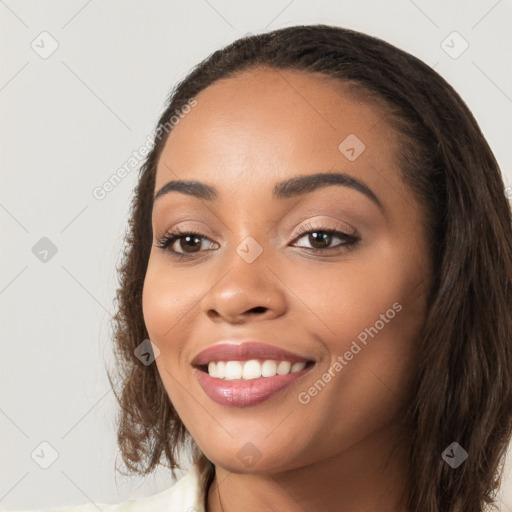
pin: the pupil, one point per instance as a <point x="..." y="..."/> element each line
<point x="196" y="243"/>
<point x="320" y="237"/>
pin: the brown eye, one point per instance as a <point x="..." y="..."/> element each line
<point x="320" y="239"/>
<point x="181" y="243"/>
<point x="189" y="243"/>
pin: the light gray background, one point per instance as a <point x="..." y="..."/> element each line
<point x="70" y="120"/>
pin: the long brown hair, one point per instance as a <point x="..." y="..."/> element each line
<point x="464" y="380"/>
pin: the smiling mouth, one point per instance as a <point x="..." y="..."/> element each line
<point x="248" y="383"/>
<point x="252" y="369"/>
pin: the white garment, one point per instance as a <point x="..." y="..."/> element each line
<point x="184" y="496"/>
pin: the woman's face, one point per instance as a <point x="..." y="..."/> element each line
<point x="291" y="158"/>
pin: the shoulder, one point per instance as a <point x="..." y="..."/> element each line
<point x="186" y="495"/>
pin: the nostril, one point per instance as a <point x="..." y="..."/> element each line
<point x="213" y="314"/>
<point x="258" y="309"/>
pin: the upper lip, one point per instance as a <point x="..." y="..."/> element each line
<point x="236" y="351"/>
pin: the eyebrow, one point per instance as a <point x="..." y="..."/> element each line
<point x="286" y="189"/>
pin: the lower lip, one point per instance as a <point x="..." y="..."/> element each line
<point x="243" y="393"/>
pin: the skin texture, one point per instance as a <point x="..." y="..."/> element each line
<point x="344" y="449"/>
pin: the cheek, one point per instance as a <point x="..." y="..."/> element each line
<point x="165" y="315"/>
<point x="373" y="310"/>
<point x="156" y="301"/>
<point x="369" y="377"/>
<point x="167" y="303"/>
<point x="363" y="293"/>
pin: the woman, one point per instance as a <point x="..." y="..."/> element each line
<point x="320" y="253"/>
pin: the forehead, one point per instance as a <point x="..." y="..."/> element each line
<point x="265" y="125"/>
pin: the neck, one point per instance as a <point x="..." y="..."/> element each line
<point x="370" y="476"/>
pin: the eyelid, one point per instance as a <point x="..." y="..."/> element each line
<point x="332" y="224"/>
<point x="185" y="225"/>
<point x="313" y="223"/>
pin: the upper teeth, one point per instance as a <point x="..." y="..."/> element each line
<point x="252" y="369"/>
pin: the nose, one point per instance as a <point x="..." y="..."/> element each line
<point x="245" y="292"/>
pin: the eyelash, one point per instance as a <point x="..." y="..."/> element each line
<point x="349" y="240"/>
